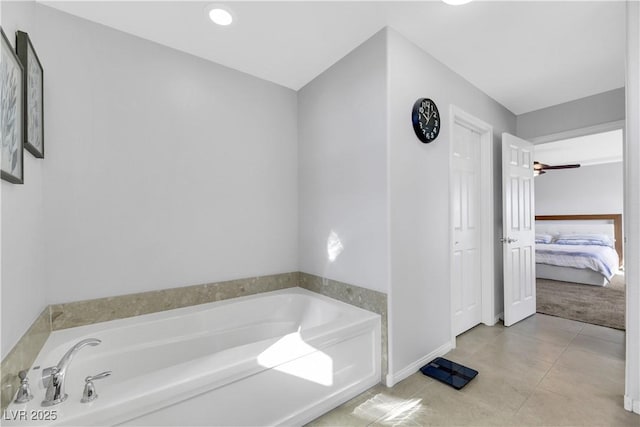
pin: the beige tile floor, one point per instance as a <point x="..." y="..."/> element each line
<point x="543" y="371"/>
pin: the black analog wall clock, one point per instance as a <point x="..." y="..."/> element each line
<point x="426" y="120"/>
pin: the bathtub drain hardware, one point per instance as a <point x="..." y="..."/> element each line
<point x="89" y="394"/>
<point x="448" y="372"/>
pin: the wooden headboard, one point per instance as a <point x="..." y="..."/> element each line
<point x="615" y="218"/>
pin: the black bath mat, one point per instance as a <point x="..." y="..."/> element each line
<point x="448" y="372"/>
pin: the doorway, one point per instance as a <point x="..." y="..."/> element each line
<point x="586" y="197"/>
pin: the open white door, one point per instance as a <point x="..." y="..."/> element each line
<point x="518" y="229"/>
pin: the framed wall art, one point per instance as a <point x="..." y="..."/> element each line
<point x="11" y="114"/>
<point x="33" y="94"/>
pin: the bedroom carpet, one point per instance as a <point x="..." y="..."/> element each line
<point x="603" y="306"/>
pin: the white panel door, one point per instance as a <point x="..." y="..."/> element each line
<point x="466" y="274"/>
<point x="518" y="229"/>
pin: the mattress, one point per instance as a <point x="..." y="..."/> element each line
<point x="601" y="259"/>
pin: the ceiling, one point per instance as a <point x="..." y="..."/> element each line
<point x="525" y="55"/>
<point x="605" y="147"/>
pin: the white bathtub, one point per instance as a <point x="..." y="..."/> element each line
<point x="282" y="357"/>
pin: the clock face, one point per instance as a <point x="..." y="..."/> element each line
<point x="426" y="120"/>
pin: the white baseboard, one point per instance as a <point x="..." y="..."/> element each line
<point x="393" y="379"/>
<point x="631" y="405"/>
<point x="495" y="320"/>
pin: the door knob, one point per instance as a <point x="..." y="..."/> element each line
<point x="508" y="240"/>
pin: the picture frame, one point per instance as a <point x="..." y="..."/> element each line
<point x="11" y="114"/>
<point x="33" y="95"/>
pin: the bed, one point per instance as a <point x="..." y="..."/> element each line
<point x="583" y="249"/>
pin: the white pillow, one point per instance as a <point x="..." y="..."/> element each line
<point x="543" y="238"/>
<point x="584" y="239"/>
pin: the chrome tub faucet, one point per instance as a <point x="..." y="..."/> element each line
<point x="53" y="377"/>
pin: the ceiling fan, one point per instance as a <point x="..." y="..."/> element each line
<point x="540" y="168"/>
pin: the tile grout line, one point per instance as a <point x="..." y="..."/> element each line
<point x="624" y="333"/>
<point x="537" y="386"/>
<point x="490" y="341"/>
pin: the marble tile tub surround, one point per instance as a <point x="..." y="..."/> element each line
<point x="81" y="313"/>
<point x="360" y="297"/>
<point x="22" y="355"/>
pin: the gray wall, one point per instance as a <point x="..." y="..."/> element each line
<point x="364" y="175"/>
<point x="23" y="292"/>
<point x="632" y="210"/>
<point x="419" y="199"/>
<point x="161" y="170"/>
<point x="342" y="135"/>
<point x="593" y="110"/>
<point x="596" y="189"/>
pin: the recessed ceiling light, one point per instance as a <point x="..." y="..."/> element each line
<point x="220" y="16"/>
<point x="456" y="2"/>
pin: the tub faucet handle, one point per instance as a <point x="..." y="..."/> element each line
<point x="24" y="392"/>
<point x="89" y="394"/>
<point x="54" y="377"/>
